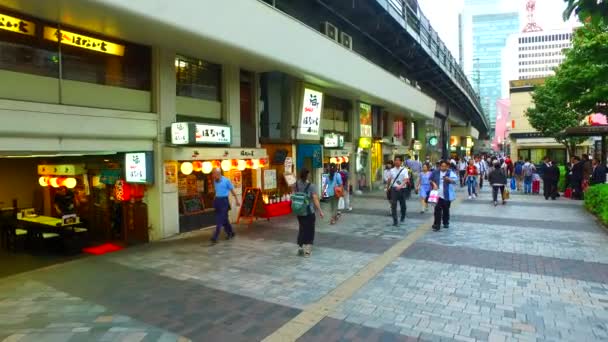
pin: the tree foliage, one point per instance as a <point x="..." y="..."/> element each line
<point x="551" y="114"/>
<point x="583" y="76"/>
<point x="587" y="10"/>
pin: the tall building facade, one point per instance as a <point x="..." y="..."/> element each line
<point x="488" y="24"/>
<point x="536" y="54"/>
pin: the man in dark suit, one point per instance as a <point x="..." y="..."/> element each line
<point x="550" y="179"/>
<point x="598" y="176"/>
<point x="577" y="178"/>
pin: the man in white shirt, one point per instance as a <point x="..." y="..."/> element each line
<point x="482" y="166"/>
<point x="396" y="187"/>
<point x="462" y="170"/>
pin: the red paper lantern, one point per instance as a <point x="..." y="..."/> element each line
<point x="138" y="191"/>
<point x="249" y="163"/>
<point x="263" y="162"/>
<point x="197" y="166"/>
<point x="235" y="163"/>
<point x="122" y="191"/>
<point x="216" y="164"/>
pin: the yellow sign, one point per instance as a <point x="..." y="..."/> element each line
<point x="13" y="24"/>
<point x="78" y="40"/>
<point x="365" y="143"/>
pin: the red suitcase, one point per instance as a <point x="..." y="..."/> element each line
<point x="568" y="193"/>
<point x="536" y="187"/>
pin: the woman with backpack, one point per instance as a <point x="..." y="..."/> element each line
<point x="334" y="190"/>
<point x="304" y="201"/>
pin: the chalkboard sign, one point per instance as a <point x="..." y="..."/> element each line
<point x="253" y="204"/>
<point x="192" y="205"/>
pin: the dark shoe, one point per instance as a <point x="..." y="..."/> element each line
<point x="553" y="198"/>
<point x="446" y="226"/>
<point x="402" y="219"/>
<point x="504" y="202"/>
<point x="213" y="241"/>
<point x="395" y="224"/>
<point x="436" y="228"/>
<point x="546" y="198"/>
<point x="231" y="236"/>
<point x="495" y="203"/>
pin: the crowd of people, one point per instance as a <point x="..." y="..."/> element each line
<point x="435" y="185"/>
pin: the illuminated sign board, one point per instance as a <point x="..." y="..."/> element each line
<point x="311" y="112"/>
<point x="365" y="120"/>
<point x="82" y="41"/>
<point x="17" y="25"/>
<point x="213" y="134"/>
<point x="333" y="140"/>
<point x="139" y="168"/>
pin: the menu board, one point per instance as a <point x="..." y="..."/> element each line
<point x="252" y="205"/>
<point x="270" y="179"/>
<point x="192" y="205"/>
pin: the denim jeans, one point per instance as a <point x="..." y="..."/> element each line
<point x="528" y="184"/>
<point x="472" y="185"/>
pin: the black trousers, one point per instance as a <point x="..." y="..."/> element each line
<point x="442" y="212"/>
<point x="462" y="174"/>
<point x="306" y="231"/>
<point x="495" y="190"/>
<point x="398" y="196"/>
<point x="550" y="188"/>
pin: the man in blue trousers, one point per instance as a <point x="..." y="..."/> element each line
<point x="221" y="203"/>
<point x="443" y="180"/>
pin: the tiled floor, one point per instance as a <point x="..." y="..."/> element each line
<point x="532" y="270"/>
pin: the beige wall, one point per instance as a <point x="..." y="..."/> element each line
<point x="520" y="102"/>
<point x="19" y="179"/>
<point x="198" y="108"/>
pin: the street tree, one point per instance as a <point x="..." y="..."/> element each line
<point x="583" y="76"/>
<point x="551" y="114"/>
<point x="593" y="11"/>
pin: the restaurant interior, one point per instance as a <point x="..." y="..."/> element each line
<point x="57" y="208"/>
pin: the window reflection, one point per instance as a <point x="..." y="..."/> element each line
<point x="198" y="79"/>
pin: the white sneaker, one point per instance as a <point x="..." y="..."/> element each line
<point x="474" y="195"/>
<point x="470" y="197"/>
<point x="307" y="250"/>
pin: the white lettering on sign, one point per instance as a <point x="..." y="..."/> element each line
<point x="180" y="133"/>
<point x="213" y="134"/>
<point x="135" y="165"/>
<point x="311" y="112"/>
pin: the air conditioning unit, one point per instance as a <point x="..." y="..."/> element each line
<point x="329" y="30"/>
<point x="346" y="40"/>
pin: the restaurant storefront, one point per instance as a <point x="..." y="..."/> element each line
<point x="198" y="149"/>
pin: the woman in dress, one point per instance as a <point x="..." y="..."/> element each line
<point x="424" y="187"/>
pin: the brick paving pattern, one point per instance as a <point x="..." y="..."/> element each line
<point x="532" y="270"/>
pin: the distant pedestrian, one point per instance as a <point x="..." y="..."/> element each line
<point x="347" y="188"/>
<point x="333" y="187"/>
<point x="598" y="173"/>
<point x="396" y="188"/>
<point x="519" y="174"/>
<point x="424" y="187"/>
<point x="528" y="171"/>
<point x="462" y="171"/>
<point x="498" y="180"/>
<point x="550" y="179"/>
<point x="576" y="178"/>
<point x="223" y="187"/>
<point x="443" y="180"/>
<point x="472" y="173"/>
<point x="306" y="193"/>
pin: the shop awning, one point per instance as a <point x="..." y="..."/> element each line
<point x="587" y="131"/>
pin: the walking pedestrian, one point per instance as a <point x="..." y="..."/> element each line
<point x="347" y="188"/>
<point x="221" y="204"/>
<point x="462" y="171"/>
<point x="424" y="187"/>
<point x="334" y="190"/>
<point x="472" y="173"/>
<point x="598" y="173"/>
<point x="550" y="179"/>
<point x="519" y="174"/>
<point x="397" y="183"/>
<point x="577" y="178"/>
<point x="528" y="170"/>
<point x="306" y="219"/>
<point x="443" y="180"/>
<point x="498" y="180"/>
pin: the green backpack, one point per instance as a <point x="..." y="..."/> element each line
<point x="300" y="202"/>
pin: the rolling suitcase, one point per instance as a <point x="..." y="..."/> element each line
<point x="536" y="186"/>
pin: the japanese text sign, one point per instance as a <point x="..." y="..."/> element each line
<point x="17" y="25"/>
<point x="311" y="112"/>
<point x="81" y="41"/>
<point x="139" y="168"/>
<point x="213" y="134"/>
<point x="365" y="120"/>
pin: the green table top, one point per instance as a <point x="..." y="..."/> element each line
<point x="45" y="220"/>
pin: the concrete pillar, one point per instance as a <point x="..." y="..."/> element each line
<point x="163" y="210"/>
<point x="231" y="100"/>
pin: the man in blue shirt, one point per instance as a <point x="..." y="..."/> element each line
<point x="223" y="187"/>
<point x="443" y="180"/>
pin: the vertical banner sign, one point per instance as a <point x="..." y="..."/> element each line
<point x="365" y="120"/>
<point x="311" y="112"/>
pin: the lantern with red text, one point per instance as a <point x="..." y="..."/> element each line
<point x="122" y="191"/>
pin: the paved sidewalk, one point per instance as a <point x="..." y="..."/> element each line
<point x="532" y="270"/>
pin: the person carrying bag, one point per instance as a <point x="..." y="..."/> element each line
<point x="398" y="182"/>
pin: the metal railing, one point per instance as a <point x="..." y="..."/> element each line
<point x="415" y="21"/>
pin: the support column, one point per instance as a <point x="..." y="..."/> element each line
<point x="163" y="210"/>
<point x="231" y="101"/>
